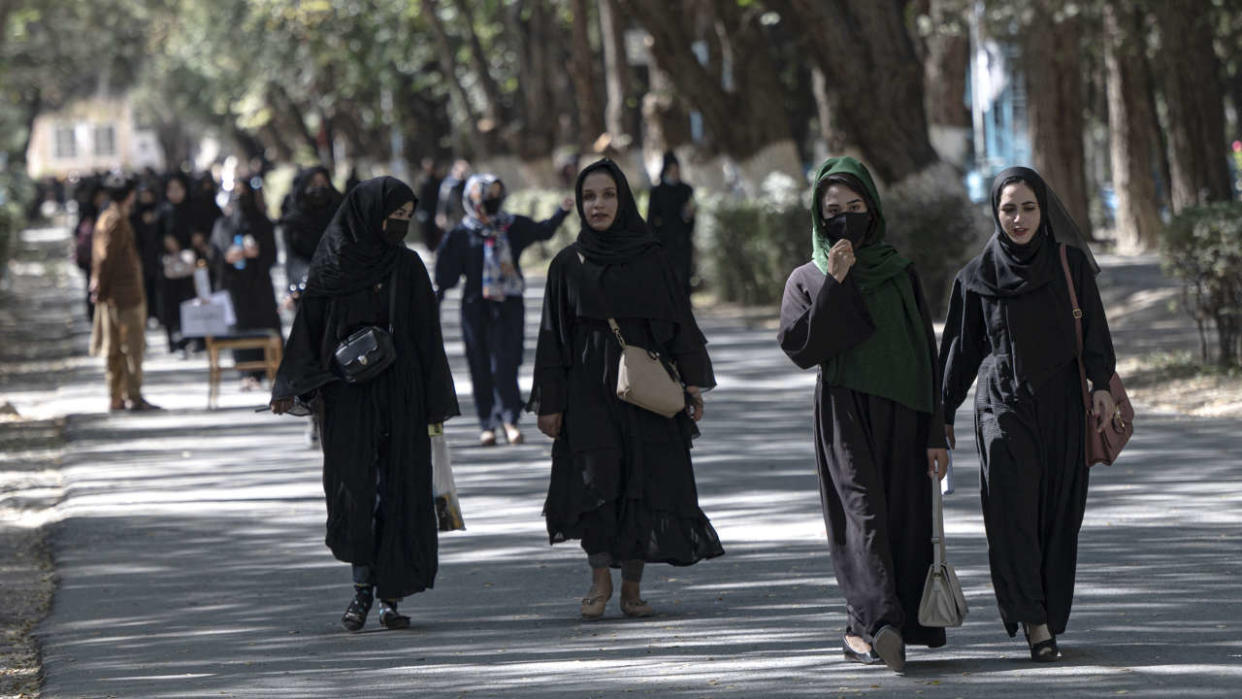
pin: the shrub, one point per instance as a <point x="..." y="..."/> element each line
<point x="752" y="245"/>
<point x="1202" y="246"/>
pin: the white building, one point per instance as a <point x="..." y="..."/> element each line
<point x="90" y="135"/>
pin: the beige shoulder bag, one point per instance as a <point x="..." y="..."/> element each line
<point x="644" y="378"/>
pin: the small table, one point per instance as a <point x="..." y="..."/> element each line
<point x="267" y="340"/>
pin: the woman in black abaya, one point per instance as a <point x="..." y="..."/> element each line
<point x="376" y="449"/>
<point x="243" y="250"/>
<point x="1010" y="323"/>
<point x="622" y="480"/>
<point x="670" y="213"/>
<point x="175" y="225"/>
<point x="312" y="203"/>
<point x="857" y="313"/>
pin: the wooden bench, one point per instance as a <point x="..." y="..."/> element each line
<point x="267" y="340"/>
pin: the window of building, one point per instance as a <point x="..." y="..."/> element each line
<point x="105" y="140"/>
<point x="66" y="143"/>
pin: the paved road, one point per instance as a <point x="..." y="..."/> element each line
<point x="191" y="563"/>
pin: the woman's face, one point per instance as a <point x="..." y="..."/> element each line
<point x="838" y="199"/>
<point x="1019" y="212"/>
<point x="599" y="200"/>
<point x="318" y="180"/>
<point x="175" y="191"/>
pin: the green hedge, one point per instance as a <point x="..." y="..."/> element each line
<point x="751" y="245"/>
<point x="1202" y="246"/>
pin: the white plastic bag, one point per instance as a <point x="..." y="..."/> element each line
<point x="448" y="509"/>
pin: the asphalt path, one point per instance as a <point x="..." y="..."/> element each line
<point x="191" y="563"/>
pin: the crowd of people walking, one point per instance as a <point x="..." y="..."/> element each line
<point x="365" y="361"/>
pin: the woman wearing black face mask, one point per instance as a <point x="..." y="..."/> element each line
<point x="311" y="204"/>
<point x="857" y="312"/>
<point x="376" y="448"/>
<point x="487" y="248"/>
<point x="243" y="250"/>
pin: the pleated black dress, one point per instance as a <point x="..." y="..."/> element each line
<point x="622" y="480"/>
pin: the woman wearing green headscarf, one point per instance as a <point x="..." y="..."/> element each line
<point x="857" y="312"/>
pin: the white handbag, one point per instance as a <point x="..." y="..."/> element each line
<point x="943" y="603"/>
<point x="448" y="509"/>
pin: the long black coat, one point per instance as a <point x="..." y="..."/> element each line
<point x="377" y="431"/>
<point x="250" y="288"/>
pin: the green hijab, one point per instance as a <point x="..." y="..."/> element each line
<point x="895" y="361"/>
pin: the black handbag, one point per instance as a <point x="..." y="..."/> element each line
<point x="368" y="351"/>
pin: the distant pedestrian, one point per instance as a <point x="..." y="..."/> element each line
<point x="487" y="248"/>
<point x="622" y="480"/>
<point x="178" y="258"/>
<point x="427" y="189"/>
<point x="857" y="313"/>
<point x="449" y="211"/>
<point x="92" y="199"/>
<point x="376" y="447"/>
<point x="670" y="213"/>
<point x="310" y="207"/>
<point x="1011" y="324"/>
<point x="144" y="218"/>
<point x="243" y="251"/>
<point x="118" y="331"/>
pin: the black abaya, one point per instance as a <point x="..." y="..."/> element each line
<point x="871" y="454"/>
<point x="1029" y="427"/>
<point x="250" y="288"/>
<point x="666" y="210"/>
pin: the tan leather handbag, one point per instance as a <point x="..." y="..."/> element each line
<point x="646" y="379"/>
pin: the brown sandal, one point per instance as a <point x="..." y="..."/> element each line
<point x="636" y="608"/>
<point x="594" y="603"/>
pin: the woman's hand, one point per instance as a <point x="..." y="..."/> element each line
<point x="567" y="203"/>
<point x="280" y="406"/>
<point x="551" y="424"/>
<point x="950" y="437"/>
<point x="695" y="409"/>
<point x="937" y="463"/>
<point x="234" y="254"/>
<point x="1103" y="407"/>
<point x="171" y="246"/>
<point x="840" y="259"/>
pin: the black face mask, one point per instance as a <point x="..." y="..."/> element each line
<point x="491" y="206"/>
<point x="849" y="226"/>
<point x="397" y="229"/>
<point x="318" y="196"/>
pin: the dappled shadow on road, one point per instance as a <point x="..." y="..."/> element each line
<point x="192" y="563"/>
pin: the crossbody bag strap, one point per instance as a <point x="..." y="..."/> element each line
<point x="616" y="330"/>
<point x="1082" y="368"/>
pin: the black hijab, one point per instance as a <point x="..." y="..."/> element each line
<point x="175" y="218"/>
<point x="353" y="255"/>
<point x="1007" y="269"/>
<point x="309" y="216"/>
<point x="625" y="265"/>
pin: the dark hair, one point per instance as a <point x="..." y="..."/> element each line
<point x="851" y="182"/>
<point x="119" y="187"/>
<point x="1013" y="179"/>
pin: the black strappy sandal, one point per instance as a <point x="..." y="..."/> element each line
<point x="1044" y="651"/>
<point x="356" y="613"/>
<point x="868" y="658"/>
<point x="390" y="618"/>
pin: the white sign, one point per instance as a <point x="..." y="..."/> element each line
<point x="212" y="317"/>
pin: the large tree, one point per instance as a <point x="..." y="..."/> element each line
<point x="1052" y="60"/>
<point x="1133" y="126"/>
<point x="853" y="42"/>
<point x="1191" y="80"/>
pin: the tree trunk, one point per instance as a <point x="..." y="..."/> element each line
<point x="852" y="42"/>
<point x="616" y="71"/>
<point x="666" y="125"/>
<point x="945" y="69"/>
<point x="492" y="102"/>
<point x="582" y="71"/>
<point x="742" y="119"/>
<point x="537" y="137"/>
<point x="1192" y="92"/>
<point x="1053" y="62"/>
<point x="826" y="107"/>
<point x="448" y="66"/>
<point x="1132" y="127"/>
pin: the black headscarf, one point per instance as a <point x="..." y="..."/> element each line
<point x="1006" y="268"/>
<point x="309" y="216"/>
<point x="353" y="254"/>
<point x="175" y="219"/>
<point x="625" y="265"/>
<point x="628" y="236"/>
<point x="670" y="159"/>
